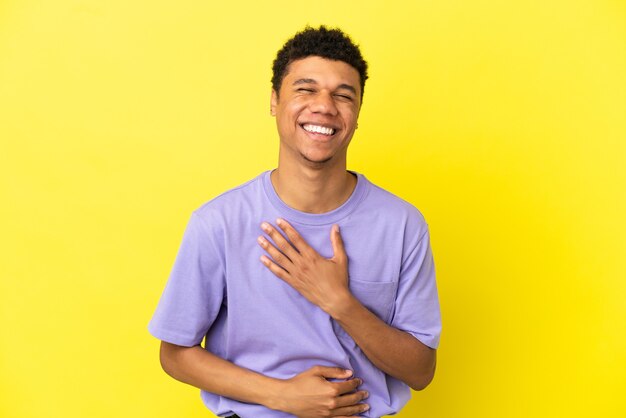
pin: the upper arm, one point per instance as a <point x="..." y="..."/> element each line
<point x="416" y="310"/>
<point x="195" y="289"/>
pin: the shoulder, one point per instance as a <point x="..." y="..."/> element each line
<point x="397" y="216"/>
<point x="225" y="210"/>
<point x="394" y="207"/>
<point x="228" y="201"/>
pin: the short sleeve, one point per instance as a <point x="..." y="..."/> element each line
<point x="194" y="291"/>
<point x="416" y="309"/>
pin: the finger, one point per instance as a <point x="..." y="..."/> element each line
<point x="278" y="271"/>
<point x="339" y="251"/>
<point x="348" y="386"/>
<point x="281" y="243"/>
<point x="349" y="411"/>
<point x="351" y="398"/>
<point x="276" y="255"/>
<point x="294" y="236"/>
<point x="331" y="372"/>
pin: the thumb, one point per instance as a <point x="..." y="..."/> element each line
<point x="332" y="372"/>
<point x="339" y="251"/>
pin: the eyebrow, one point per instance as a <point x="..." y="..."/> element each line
<point x="312" y="81"/>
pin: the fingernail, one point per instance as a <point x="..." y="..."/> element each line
<point x="349" y="372"/>
<point x="336" y="227"/>
<point x="367" y="395"/>
<point x="366" y="407"/>
<point x="265" y="226"/>
<point x="261" y="240"/>
<point x="279" y="221"/>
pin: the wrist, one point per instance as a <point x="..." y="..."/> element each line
<point x="272" y="398"/>
<point x="342" y="305"/>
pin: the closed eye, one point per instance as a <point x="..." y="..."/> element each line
<point x="345" y="96"/>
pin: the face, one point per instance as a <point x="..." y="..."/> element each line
<point x="316" y="110"/>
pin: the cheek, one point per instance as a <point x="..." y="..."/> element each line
<point x="297" y="105"/>
<point x="293" y="111"/>
<point x="350" y="116"/>
<point x="349" y="111"/>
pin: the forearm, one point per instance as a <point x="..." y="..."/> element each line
<point x="393" y="351"/>
<point x="310" y="393"/>
<point x="204" y="370"/>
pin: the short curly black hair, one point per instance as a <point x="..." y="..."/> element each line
<point x="327" y="43"/>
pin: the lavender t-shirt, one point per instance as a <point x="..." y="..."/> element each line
<point x="218" y="288"/>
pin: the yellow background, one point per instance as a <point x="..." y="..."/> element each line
<point x="504" y="122"/>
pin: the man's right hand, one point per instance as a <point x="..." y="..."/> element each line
<point x="310" y="395"/>
<point x="306" y="395"/>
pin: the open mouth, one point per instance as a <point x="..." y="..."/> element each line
<point x="318" y="129"/>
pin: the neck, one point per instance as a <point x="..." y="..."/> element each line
<point x="313" y="190"/>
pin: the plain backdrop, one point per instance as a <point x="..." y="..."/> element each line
<point x="504" y="122"/>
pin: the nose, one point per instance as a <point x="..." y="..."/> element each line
<point x="323" y="102"/>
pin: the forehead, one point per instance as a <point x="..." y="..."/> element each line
<point x="323" y="71"/>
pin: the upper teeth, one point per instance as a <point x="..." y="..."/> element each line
<point x="318" y="129"/>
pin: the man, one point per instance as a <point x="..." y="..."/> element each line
<point x="314" y="288"/>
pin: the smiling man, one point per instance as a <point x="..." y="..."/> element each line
<point x="313" y="289"/>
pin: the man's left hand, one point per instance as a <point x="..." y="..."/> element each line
<point x="323" y="281"/>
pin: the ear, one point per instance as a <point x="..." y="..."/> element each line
<point x="273" y="102"/>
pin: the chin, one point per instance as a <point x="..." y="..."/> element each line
<point x="317" y="161"/>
